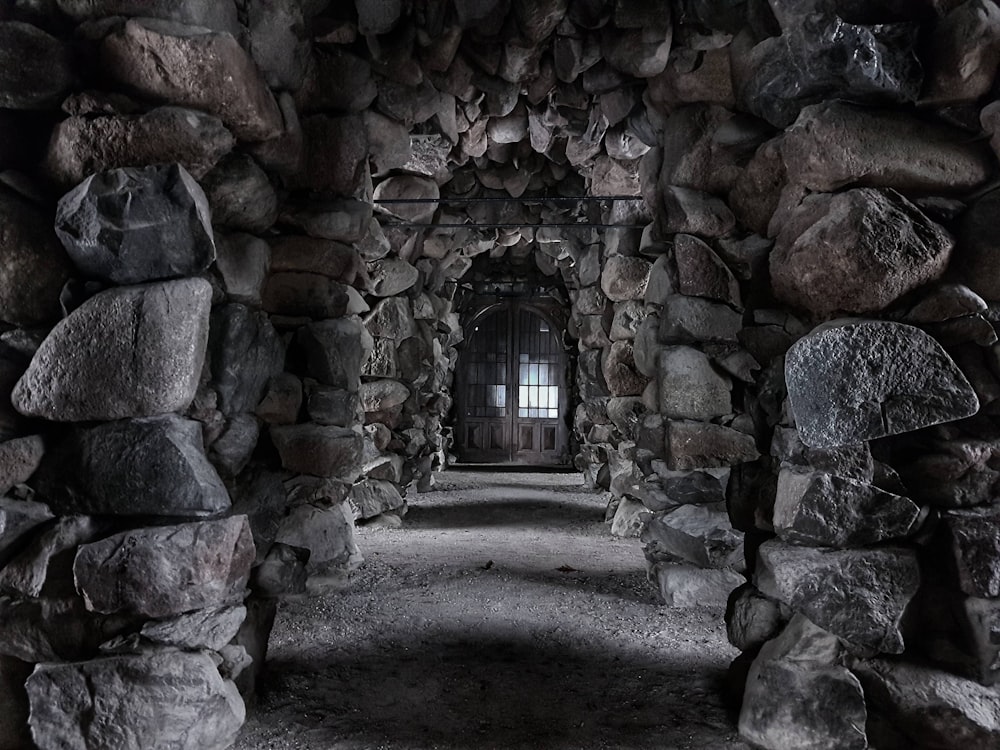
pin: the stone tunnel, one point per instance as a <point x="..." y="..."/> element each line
<point x="265" y="267"/>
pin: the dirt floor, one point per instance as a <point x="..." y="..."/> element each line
<point x="501" y="615"/>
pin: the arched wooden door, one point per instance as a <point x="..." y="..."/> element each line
<point x="512" y="396"/>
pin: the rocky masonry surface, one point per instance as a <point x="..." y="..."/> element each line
<point x="221" y="347"/>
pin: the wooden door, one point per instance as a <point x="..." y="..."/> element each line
<point x="512" y="396"/>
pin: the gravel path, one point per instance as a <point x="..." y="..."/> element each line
<point x="502" y="615"/>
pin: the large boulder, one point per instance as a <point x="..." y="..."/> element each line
<point x="699" y="445"/>
<point x="33" y="265"/>
<point x="126" y="352"/>
<point x="154" y="466"/>
<point x="834" y="145"/>
<point x="326" y="532"/>
<point x="167" y="570"/>
<point x="240" y="194"/>
<point x="823" y="510"/>
<point x="245" y="352"/>
<point x="165" y="698"/>
<point x="690" y="387"/>
<point x="625" y="278"/>
<point x="132" y="225"/>
<point x="859" y="595"/>
<point x="859" y="380"/>
<point x="36" y="69"/>
<point x="193" y="67"/>
<point x="335" y="351"/>
<point x="81" y="146"/>
<point x="319" y="450"/>
<point x="830" y="256"/>
<point x="973" y="543"/>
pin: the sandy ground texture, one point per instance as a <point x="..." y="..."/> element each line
<point x="501" y="615"/>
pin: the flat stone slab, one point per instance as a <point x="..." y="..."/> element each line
<point x="852" y="381"/>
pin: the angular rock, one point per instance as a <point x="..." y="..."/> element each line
<point x="167" y="570"/>
<point x="963" y="54"/>
<point x="335" y="351"/>
<point x="391" y="276"/>
<point x="628" y="316"/>
<point x="835" y="145"/>
<point x="823" y="510"/>
<point x="36" y="69"/>
<point x="133" y="224"/>
<point x="700" y="534"/>
<point x="690" y="388"/>
<point x="295" y="254"/>
<point x="694" y="212"/>
<point x="978" y="251"/>
<point x="336" y="150"/>
<point x="42" y="564"/>
<point x="625" y="278"/>
<point x="372" y="497"/>
<point x="952" y="472"/>
<point x="81" y="146"/>
<point x="973" y="538"/>
<point x="282" y="400"/>
<point x="337" y="82"/>
<point x="850" y="461"/>
<point x="422" y="191"/>
<point x="107" y="703"/>
<point x="19" y="459"/>
<point x="381" y="395"/>
<point x="698" y="445"/>
<point x="751" y="619"/>
<point x="217" y="16"/>
<point x="629" y="519"/>
<point x="830" y="256"/>
<point x="689" y="586"/>
<point x="693" y="319"/>
<point x="328" y="534"/>
<point x="232" y="450"/>
<point x="277" y="44"/>
<point x="33" y="265"/>
<point x="243" y="262"/>
<point x="618" y="366"/>
<point x="18" y="518"/>
<point x="319" y="450"/>
<point x="154" y="466"/>
<point x="702" y="273"/>
<point x="283" y="571"/>
<point x="858" y="595"/>
<point x="334" y="406"/>
<point x="305" y="294"/>
<point x="245" y="352"/>
<point x="642" y="53"/>
<point x="931" y="708"/>
<point x="839" y="398"/>
<point x="145" y="347"/>
<point x="240" y="194"/>
<point x="208" y="629"/>
<point x="196" y="68"/>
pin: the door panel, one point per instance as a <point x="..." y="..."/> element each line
<point x="511" y="390"/>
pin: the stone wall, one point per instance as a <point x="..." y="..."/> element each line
<point x="225" y="340"/>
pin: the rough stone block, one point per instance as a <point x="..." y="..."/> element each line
<point x="699" y="445"/>
<point x="19" y="459"/>
<point x="318" y="450"/>
<point x="692" y="319"/>
<point x="37" y="69"/>
<point x="328" y="534"/>
<point x="700" y="534"/>
<point x="690" y="387"/>
<point x="690" y="586"/>
<point x="335" y="351"/>
<point x="245" y="352"/>
<point x="973" y="538"/>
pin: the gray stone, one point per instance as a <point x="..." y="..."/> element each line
<point x="628" y="316"/>
<point x="232" y="450"/>
<point x="702" y="273"/>
<point x="372" y="497"/>
<point x="629" y="519"/>
<point x="133" y="224"/>
<point x="625" y="278"/>
<point x="751" y="619"/>
<point x="839" y="397"/>
<point x="14" y="732"/>
<point x="18" y="518"/>
<point x="245" y="352"/>
<point x="243" y="261"/>
<point x="305" y="294"/>
<point x="34" y="266"/>
<point x="830" y="255"/>
<point x="689" y="586"/>
<point x="145" y="347"/>
<point x="690" y="387"/>
<point x="219" y="16"/>
<point x="952" y="472"/>
<point x="276" y="42"/>
<point x="335" y="351"/>
<point x="334" y="406"/>
<point x="81" y="146"/>
<point x="834" y="145"/>
<point x="37" y="566"/>
<point x="154" y="466"/>
<point x="973" y="539"/>
<point x="620" y="374"/>
<point x="282" y="400"/>
<point x="858" y="595"/>
<point x="789" y="702"/>
<point x="931" y="708"/>
<point x="195" y="68"/>
<point x="391" y="276"/>
<point x="107" y="703"/>
<point x="698" y="445"/>
<point x="240" y="194"/>
<point x="335" y="260"/>
<point x="335" y="157"/>
<point x="694" y="212"/>
<point x="693" y="319"/>
<point x="642" y="53"/>
<point x="167" y="570"/>
<point x="850" y="461"/>
<point x="391" y="318"/>
<point x="699" y="534"/>
<point x="977" y="255"/>
<point x="328" y="534"/>
<point x="19" y="459"/>
<point x="319" y="450"/>
<point x="282" y="573"/>
<point x="208" y="629"/>
<point x="37" y="69"/>
<point x="669" y="489"/>
<point x="823" y="510"/>
<point x="961" y="61"/>
<point x="337" y="82"/>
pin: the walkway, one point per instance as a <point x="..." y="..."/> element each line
<point x="502" y="615"/>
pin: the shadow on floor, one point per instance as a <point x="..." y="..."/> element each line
<point x="452" y="689"/>
<point x="491" y="509"/>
